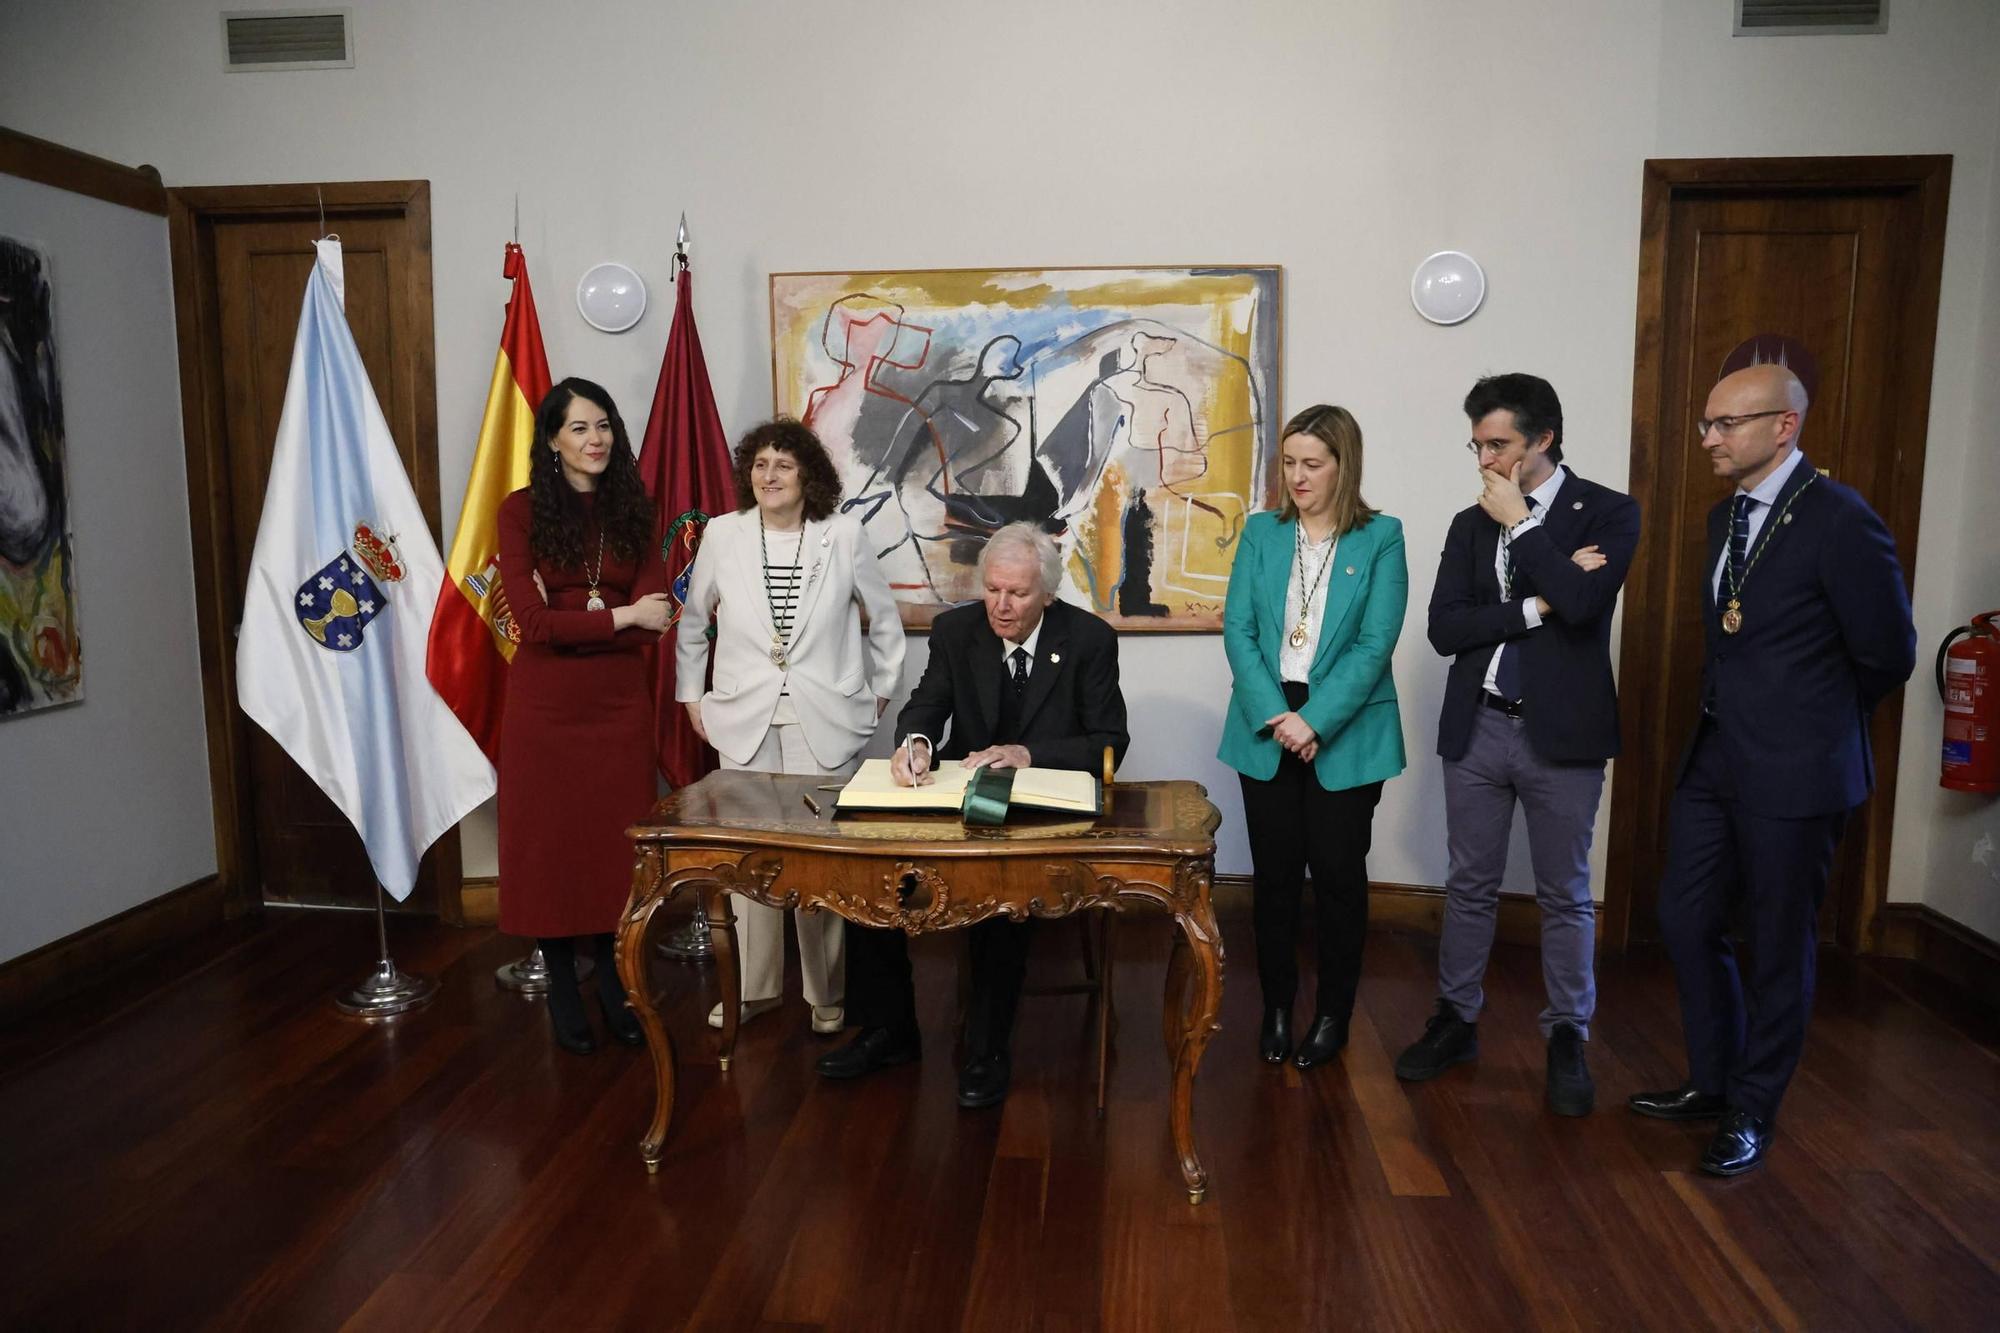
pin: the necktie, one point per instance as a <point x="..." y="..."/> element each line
<point x="1019" y="657"/>
<point x="1739" y="540"/>
<point x="1507" y="676"/>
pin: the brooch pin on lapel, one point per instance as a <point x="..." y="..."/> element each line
<point x="1054" y="658"/>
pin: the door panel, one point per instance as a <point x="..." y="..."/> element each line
<point x="1844" y="267"/>
<point x="306" y="851"/>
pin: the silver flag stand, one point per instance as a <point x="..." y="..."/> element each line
<point x="388" y="990"/>
<point x="530" y="975"/>
<point x="689" y="944"/>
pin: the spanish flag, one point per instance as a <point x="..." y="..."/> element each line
<point x="472" y="633"/>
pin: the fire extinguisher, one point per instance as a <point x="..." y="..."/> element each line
<point x="1968" y="678"/>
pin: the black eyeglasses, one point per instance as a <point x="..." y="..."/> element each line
<point x="1728" y="424"/>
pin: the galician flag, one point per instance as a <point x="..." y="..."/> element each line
<point x="331" y="656"/>
<point x="472" y="632"/>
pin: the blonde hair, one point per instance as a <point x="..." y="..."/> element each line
<point x="1336" y="428"/>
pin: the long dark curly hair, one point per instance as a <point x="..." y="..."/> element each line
<point x="622" y="507"/>
<point x="818" y="480"/>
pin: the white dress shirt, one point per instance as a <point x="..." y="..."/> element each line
<point x="1762" y="497"/>
<point x="1543" y="495"/>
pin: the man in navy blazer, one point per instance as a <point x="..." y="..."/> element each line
<point x="1522" y="604"/>
<point x="1021" y="680"/>
<point x="1807" y="628"/>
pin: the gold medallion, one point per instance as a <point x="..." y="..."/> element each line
<point x="1732" y="617"/>
<point x="1297" y="638"/>
<point x="595" y="602"/>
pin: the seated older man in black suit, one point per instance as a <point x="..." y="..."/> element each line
<point x="1020" y="680"/>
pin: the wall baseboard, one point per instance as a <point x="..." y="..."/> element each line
<point x="1412" y="907"/>
<point x="478" y="901"/>
<point x="63" y="967"/>
<point x="1956" y="954"/>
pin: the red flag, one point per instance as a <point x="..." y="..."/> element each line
<point x="685" y="463"/>
<point x="472" y="634"/>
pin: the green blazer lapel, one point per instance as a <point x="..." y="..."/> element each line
<point x="1275" y="541"/>
<point x="1350" y="560"/>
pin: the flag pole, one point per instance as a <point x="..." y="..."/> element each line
<point x="689" y="944"/>
<point x="388" y="990"/>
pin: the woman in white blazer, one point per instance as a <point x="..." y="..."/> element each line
<point x="798" y="687"/>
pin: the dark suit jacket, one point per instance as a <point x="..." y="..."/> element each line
<point x="1826" y="636"/>
<point x="1072" y="709"/>
<point x="1569" y="702"/>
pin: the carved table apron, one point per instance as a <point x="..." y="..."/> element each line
<point x="754" y="834"/>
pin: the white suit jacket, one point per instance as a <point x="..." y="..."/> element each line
<point x="834" y="675"/>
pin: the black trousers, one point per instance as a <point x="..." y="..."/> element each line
<point x="1293" y="822"/>
<point x="1745" y="1025"/>
<point x="880" y="992"/>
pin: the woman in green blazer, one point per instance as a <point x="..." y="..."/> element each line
<point x="1316" y="600"/>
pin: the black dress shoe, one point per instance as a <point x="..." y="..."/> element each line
<point x="574" y="1037"/>
<point x="568" y="1021"/>
<point x="1683" y="1103"/>
<point x="1274" y="1040"/>
<point x="871" y="1049"/>
<point x="983" y="1082"/>
<point x="1570" y="1090"/>
<point x="1738" y="1145"/>
<point x="622" y="1023"/>
<point x="1324" y="1040"/>
<point x="1448" y="1040"/>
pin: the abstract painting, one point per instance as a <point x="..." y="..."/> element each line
<point x="41" y="658"/>
<point x="1128" y="411"/>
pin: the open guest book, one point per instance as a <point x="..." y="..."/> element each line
<point x="979" y="795"/>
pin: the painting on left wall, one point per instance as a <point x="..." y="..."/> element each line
<point x="41" y="655"/>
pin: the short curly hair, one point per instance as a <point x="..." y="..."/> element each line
<point x="818" y="478"/>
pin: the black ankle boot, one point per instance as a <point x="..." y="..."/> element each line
<point x="566" y="1016"/>
<point x="1326" y="1038"/>
<point x="619" y="1020"/>
<point x="1274" y="1040"/>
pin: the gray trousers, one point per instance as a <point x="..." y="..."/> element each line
<point x="1560" y="803"/>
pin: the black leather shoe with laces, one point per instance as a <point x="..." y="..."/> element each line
<point x="1448" y="1040"/>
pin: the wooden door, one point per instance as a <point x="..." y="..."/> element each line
<point x="1843" y="256"/>
<point x="250" y="250"/>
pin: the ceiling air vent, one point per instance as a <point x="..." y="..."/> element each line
<point x="264" y="39"/>
<point x="1797" y="18"/>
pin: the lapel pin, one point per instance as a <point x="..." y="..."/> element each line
<point x="1350" y="569"/>
<point x="1054" y="658"/>
<point x="1577" y="505"/>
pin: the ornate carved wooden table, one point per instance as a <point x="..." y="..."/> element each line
<point x="754" y="834"/>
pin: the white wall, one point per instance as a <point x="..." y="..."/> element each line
<point x="1343" y="141"/>
<point x="105" y="803"/>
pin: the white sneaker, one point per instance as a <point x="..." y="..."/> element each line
<point x="745" y="1011"/>
<point x="828" y="1019"/>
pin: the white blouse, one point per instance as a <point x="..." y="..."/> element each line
<point x="1295" y="664"/>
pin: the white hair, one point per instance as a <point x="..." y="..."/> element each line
<point x="1025" y="540"/>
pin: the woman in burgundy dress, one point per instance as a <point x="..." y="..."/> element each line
<point x="585" y="585"/>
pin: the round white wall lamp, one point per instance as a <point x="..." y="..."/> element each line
<point x="611" y="297"/>
<point x="1447" y="287"/>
